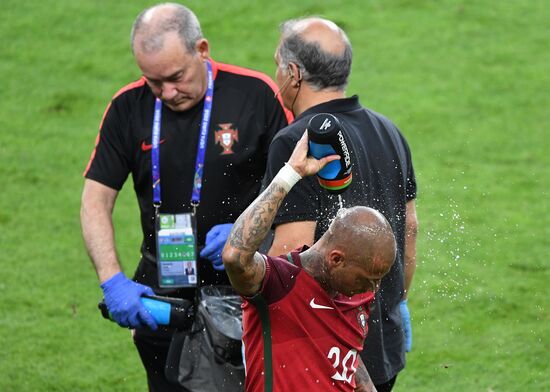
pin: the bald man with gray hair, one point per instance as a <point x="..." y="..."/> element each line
<point x="321" y="69"/>
<point x="314" y="58"/>
<point x="152" y="23"/>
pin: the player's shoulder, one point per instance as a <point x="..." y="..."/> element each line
<point x="280" y="277"/>
<point x="282" y="260"/>
<point x="283" y="266"/>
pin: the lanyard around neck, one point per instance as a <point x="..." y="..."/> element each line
<point x="201" y="149"/>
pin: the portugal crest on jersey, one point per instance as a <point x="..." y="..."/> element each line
<point x="362" y="319"/>
<point x="226" y="137"/>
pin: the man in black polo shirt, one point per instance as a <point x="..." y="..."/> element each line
<point x="186" y="106"/>
<point x="313" y="64"/>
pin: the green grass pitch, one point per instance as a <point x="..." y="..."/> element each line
<point x="466" y="81"/>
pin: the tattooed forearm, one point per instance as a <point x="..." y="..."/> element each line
<point x="236" y="234"/>
<point x="363" y="382"/>
<point x="252" y="226"/>
<point x="244" y="266"/>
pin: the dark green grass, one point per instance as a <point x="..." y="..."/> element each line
<point x="466" y="81"/>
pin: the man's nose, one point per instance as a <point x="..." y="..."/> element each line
<point x="168" y="91"/>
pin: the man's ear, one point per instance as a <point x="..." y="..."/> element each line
<point x="202" y="48"/>
<point x="336" y="258"/>
<point x="295" y="73"/>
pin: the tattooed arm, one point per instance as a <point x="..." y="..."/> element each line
<point x="363" y="382"/>
<point x="244" y="266"/>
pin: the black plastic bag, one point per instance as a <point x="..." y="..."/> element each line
<point x="208" y="357"/>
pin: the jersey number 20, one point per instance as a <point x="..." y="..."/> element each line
<point x="347" y="365"/>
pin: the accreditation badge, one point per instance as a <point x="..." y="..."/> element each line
<point x="176" y="250"/>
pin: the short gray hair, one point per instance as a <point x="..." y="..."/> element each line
<point x="181" y="20"/>
<point x="321" y="70"/>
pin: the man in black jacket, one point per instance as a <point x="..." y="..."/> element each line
<point x="313" y="65"/>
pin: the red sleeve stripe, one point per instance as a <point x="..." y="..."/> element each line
<point x="136" y="84"/>
<point x="255" y="74"/>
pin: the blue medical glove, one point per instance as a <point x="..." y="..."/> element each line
<point x="123" y="300"/>
<point x="406" y="317"/>
<point x="215" y="241"/>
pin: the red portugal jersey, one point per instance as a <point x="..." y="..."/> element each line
<point x="298" y="338"/>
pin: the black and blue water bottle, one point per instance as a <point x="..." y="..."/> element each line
<point x="173" y="312"/>
<point x="326" y="137"/>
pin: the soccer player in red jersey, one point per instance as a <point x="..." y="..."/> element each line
<point x="305" y="314"/>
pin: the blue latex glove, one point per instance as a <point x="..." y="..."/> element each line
<point x="215" y="241"/>
<point x="406" y="317"/>
<point x="123" y="300"/>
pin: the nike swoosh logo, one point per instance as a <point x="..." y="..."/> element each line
<point x="147" y="147"/>
<point x="317" y="306"/>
